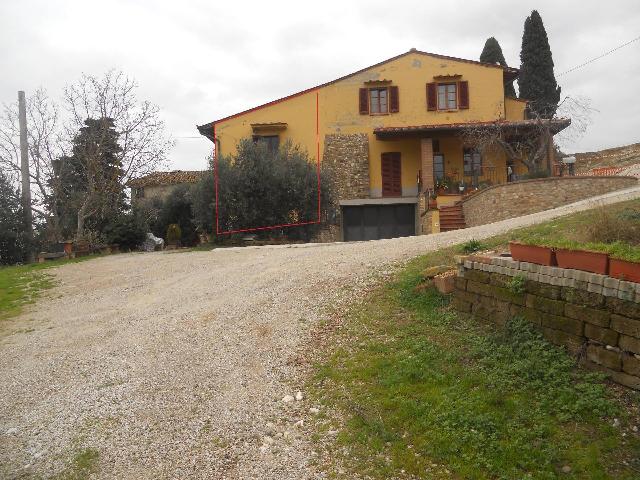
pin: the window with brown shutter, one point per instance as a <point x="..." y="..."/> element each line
<point x="391" y="174"/>
<point x="394" y="100"/>
<point x="364" y="101"/>
<point x="378" y="101"/>
<point x="432" y="97"/>
<point x="464" y="95"/>
<point x="447" y="96"/>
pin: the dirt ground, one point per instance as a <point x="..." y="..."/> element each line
<point x="175" y="365"/>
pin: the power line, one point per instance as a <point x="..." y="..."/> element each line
<point x="599" y="56"/>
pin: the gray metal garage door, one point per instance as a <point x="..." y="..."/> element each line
<point x="373" y="222"/>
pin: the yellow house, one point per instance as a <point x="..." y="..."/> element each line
<point x="392" y="132"/>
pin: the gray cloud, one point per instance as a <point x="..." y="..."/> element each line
<point x="201" y="60"/>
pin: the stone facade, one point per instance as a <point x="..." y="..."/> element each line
<point x="601" y="329"/>
<point x="347" y="157"/>
<point x="510" y="200"/>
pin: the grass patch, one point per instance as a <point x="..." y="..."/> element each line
<point x="614" y="229"/>
<point x="83" y="464"/>
<point x="22" y="284"/>
<point x="471" y="246"/>
<point x="427" y="393"/>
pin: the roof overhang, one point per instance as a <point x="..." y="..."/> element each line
<point x="268" y="127"/>
<point x="207" y="130"/>
<point x="512" y="127"/>
<point x="509" y="74"/>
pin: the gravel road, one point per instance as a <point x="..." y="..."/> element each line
<point x="174" y="365"/>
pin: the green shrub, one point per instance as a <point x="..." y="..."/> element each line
<point x="203" y="203"/>
<point x="516" y="284"/>
<point x="177" y="208"/>
<point x="535" y="174"/>
<point x="13" y="245"/>
<point x="127" y="230"/>
<point x="260" y="186"/>
<point x="174" y="234"/>
<point x="471" y="246"/>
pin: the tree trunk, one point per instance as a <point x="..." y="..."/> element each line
<point x="81" y="219"/>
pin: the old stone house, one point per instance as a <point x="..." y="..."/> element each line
<point x="158" y="185"/>
<point x="392" y="134"/>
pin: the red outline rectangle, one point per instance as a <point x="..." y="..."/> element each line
<point x="270" y="227"/>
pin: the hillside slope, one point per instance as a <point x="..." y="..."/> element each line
<point x="625" y="156"/>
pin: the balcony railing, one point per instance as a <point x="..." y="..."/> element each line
<point x="483" y="178"/>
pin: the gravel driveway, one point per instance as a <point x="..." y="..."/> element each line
<point x="174" y="365"/>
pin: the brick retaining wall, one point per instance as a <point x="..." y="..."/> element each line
<point x="595" y="317"/>
<point x="510" y="200"/>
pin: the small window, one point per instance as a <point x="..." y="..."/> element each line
<point x="447" y="96"/>
<point x="472" y="161"/>
<point x="378" y="100"/>
<point x="138" y="192"/>
<point x="438" y="167"/>
<point x="272" y="141"/>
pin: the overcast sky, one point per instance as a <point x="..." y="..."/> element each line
<point x="202" y="60"/>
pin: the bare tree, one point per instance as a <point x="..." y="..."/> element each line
<point x="45" y="145"/>
<point x="529" y="141"/>
<point x="141" y="131"/>
<point x="53" y="126"/>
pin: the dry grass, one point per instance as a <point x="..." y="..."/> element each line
<point x="608" y="226"/>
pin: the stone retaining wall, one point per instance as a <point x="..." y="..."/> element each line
<point x="595" y="317"/>
<point x="510" y="200"/>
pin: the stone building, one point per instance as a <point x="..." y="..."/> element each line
<point x="158" y="185"/>
<point x="393" y="134"/>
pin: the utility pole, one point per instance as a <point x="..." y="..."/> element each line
<point x="26" y="180"/>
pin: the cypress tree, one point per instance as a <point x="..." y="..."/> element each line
<point x="536" y="82"/>
<point x="492" y="53"/>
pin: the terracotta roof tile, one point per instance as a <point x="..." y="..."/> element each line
<point x="558" y="124"/>
<point x="173" y="177"/>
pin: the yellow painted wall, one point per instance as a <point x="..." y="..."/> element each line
<point x="514" y="108"/>
<point x="338" y="111"/>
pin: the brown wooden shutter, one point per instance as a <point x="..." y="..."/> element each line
<point x="394" y="100"/>
<point x="391" y="174"/>
<point x="364" y="101"/>
<point x="432" y="97"/>
<point x="464" y="95"/>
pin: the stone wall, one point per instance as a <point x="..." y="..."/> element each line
<point x="510" y="200"/>
<point x="595" y="317"/>
<point x="347" y="157"/>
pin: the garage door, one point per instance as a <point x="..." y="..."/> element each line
<point x="373" y="222"/>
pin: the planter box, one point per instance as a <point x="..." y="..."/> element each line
<point x="532" y="254"/>
<point x="624" y="270"/>
<point x="595" y="262"/>
<point x="445" y="283"/>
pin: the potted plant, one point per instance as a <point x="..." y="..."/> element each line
<point x="174" y="234"/>
<point x="571" y="256"/>
<point x="624" y="262"/>
<point x="433" y="200"/>
<point x="539" y="254"/>
<point x="442" y="185"/>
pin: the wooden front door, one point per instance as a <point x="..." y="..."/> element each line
<point x="391" y="175"/>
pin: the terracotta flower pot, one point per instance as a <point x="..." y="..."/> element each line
<point x="624" y="270"/>
<point x="595" y="262"/>
<point x="532" y="254"/>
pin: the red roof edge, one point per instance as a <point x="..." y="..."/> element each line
<point x="207" y="127"/>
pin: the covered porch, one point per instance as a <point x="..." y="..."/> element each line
<point x="443" y="163"/>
